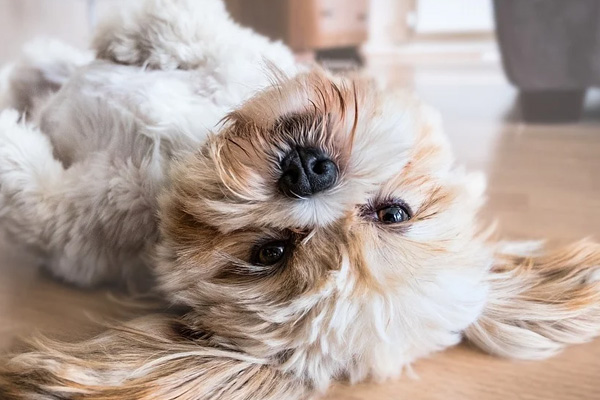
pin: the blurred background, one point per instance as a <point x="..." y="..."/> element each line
<point x="550" y="49"/>
<point x="514" y="81"/>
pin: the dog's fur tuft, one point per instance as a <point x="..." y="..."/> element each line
<point x="540" y="302"/>
<point x="157" y="357"/>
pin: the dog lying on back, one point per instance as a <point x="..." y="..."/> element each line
<point x="312" y="226"/>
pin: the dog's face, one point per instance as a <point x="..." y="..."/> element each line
<point x="324" y="229"/>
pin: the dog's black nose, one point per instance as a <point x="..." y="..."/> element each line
<point x="306" y="171"/>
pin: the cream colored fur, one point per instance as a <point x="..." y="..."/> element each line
<point x="160" y="158"/>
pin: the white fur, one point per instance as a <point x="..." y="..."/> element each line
<point x="112" y="127"/>
<point x="86" y="151"/>
<point x="44" y="66"/>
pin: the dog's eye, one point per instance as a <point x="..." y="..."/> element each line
<point x="269" y="253"/>
<point x="393" y="214"/>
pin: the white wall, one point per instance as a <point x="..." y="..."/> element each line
<point x="451" y="16"/>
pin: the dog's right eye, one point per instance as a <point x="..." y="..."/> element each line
<point x="393" y="214"/>
<point x="269" y="253"/>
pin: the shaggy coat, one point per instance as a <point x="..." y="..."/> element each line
<point x="162" y="155"/>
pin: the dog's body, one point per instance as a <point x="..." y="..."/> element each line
<point x="113" y="130"/>
<point x="323" y="233"/>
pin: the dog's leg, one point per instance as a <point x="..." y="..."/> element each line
<point x="156" y="357"/>
<point x="162" y="34"/>
<point x="43" y="67"/>
<point x="185" y="34"/>
<point x="541" y="302"/>
<point x="28" y="172"/>
<point x="91" y="220"/>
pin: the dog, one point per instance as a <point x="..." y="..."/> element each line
<point x="311" y="227"/>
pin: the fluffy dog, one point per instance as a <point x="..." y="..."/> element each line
<point x="322" y="232"/>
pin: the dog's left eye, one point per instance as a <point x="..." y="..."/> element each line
<point x="393" y="214"/>
<point x="269" y="253"/>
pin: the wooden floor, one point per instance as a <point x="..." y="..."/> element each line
<point x="543" y="183"/>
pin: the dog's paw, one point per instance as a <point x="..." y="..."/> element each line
<point x="25" y="154"/>
<point x="161" y="34"/>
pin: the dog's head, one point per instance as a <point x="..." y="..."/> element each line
<point x="322" y="224"/>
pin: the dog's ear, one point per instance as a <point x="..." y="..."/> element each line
<point x="540" y="301"/>
<point x="156" y="357"/>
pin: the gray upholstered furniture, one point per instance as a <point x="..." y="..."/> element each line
<point x="551" y="52"/>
